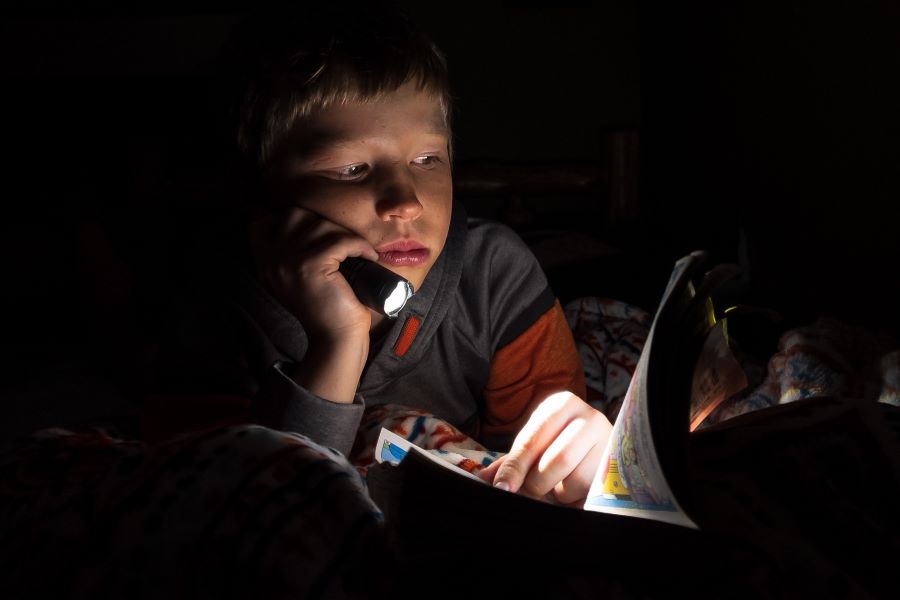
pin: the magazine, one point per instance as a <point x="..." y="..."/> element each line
<point x="746" y="496"/>
<point x="685" y="370"/>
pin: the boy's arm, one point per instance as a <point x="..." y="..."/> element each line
<point x="218" y="367"/>
<point x="280" y="404"/>
<point x="535" y="393"/>
<point x="536" y="381"/>
<point x="332" y="370"/>
<point x="540" y="361"/>
<point x="298" y="255"/>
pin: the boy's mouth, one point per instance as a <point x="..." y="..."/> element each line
<point x="403" y="253"/>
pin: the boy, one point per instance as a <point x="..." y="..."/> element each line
<point x="346" y="119"/>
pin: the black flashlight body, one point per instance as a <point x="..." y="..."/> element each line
<point x="379" y="288"/>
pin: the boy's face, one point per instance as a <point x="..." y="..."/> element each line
<point x="381" y="170"/>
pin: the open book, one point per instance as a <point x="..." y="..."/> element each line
<point x="794" y="497"/>
<point x="685" y="369"/>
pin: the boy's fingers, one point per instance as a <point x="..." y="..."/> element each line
<point x="272" y="228"/>
<point x="563" y="456"/>
<point x="547" y="421"/>
<point x="576" y="486"/>
<point x="490" y="471"/>
<point x="336" y="240"/>
<point x="295" y="222"/>
<point x="338" y="245"/>
<point x="296" y="232"/>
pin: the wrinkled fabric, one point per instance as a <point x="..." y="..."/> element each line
<point x="245" y="510"/>
<point x="232" y="512"/>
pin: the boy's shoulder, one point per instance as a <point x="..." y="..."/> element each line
<point x="482" y="225"/>
<point x="503" y="287"/>
<point x="492" y="238"/>
<point x="496" y="256"/>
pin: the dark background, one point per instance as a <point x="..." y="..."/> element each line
<point x="768" y="133"/>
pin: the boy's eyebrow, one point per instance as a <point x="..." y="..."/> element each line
<point x="314" y="144"/>
<point x="438" y="126"/>
<point x="315" y="141"/>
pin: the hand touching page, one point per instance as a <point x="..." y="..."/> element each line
<point x="557" y="452"/>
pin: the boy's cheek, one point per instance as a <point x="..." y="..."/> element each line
<point x="303" y="193"/>
<point x="331" y="204"/>
<point x="310" y="192"/>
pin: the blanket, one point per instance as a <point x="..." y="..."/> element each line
<point x="248" y="511"/>
<point x="824" y="358"/>
<point x="239" y="512"/>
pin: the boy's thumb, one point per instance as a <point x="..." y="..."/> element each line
<point x="490" y="474"/>
<point x="510" y="474"/>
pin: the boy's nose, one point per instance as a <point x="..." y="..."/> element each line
<point x="398" y="202"/>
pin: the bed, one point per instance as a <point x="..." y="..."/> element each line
<point x="88" y="510"/>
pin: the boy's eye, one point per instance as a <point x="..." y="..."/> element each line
<point x="427" y="161"/>
<point x="351" y="172"/>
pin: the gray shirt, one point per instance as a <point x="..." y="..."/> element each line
<point x="485" y="289"/>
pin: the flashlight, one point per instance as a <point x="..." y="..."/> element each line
<point x="379" y="288"/>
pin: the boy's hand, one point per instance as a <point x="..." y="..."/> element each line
<point x="298" y="254"/>
<point x="557" y="452"/>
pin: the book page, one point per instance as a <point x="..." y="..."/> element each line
<point x="392" y="448"/>
<point x="717" y="376"/>
<point x="630" y="480"/>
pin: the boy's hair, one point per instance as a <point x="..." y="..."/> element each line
<point x="291" y="65"/>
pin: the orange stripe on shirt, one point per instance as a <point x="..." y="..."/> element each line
<point x="407" y="335"/>
<point x="541" y="361"/>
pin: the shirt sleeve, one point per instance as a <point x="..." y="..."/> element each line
<point x="280" y="404"/>
<point x="284" y="405"/>
<point x="219" y="368"/>
<point x="538" y="362"/>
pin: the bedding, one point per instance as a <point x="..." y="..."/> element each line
<point x="248" y="511"/>
<point x="239" y="512"/>
<point x="824" y="358"/>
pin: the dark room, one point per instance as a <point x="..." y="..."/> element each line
<point x="647" y="344"/>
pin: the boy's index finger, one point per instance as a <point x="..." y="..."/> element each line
<point x="511" y="474"/>
<point x="544" y="425"/>
<point x="326" y="235"/>
<point x="289" y="220"/>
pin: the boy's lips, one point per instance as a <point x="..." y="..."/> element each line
<point x="403" y="253"/>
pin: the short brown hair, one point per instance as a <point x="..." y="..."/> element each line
<point x="296" y="64"/>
